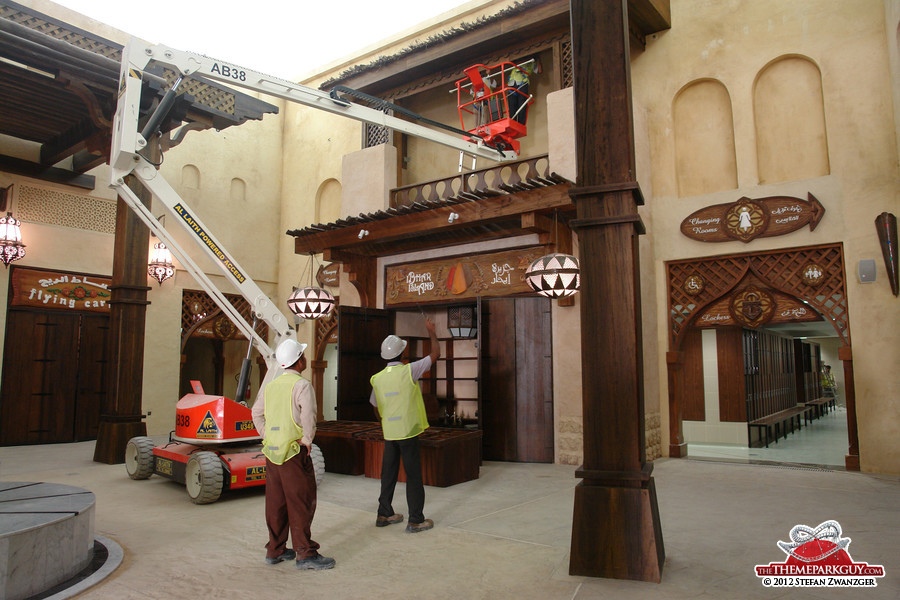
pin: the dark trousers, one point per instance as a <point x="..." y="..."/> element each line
<point x="390" y="469"/>
<point x="291" y="505"/>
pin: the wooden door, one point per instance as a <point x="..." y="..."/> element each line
<point x="360" y="333"/>
<point x="93" y="366"/>
<point x="517" y="380"/>
<point x="39" y="378"/>
<point x="498" y="379"/>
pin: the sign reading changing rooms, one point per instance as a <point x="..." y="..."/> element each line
<point x="460" y="277"/>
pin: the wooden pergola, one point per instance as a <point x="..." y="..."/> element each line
<point x="58" y="90"/>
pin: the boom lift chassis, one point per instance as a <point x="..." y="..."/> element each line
<point x="186" y="458"/>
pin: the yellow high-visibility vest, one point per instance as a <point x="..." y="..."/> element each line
<point x="281" y="440"/>
<point x="400" y="403"/>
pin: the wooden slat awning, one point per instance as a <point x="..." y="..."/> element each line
<point x="58" y="87"/>
<point x="425" y="225"/>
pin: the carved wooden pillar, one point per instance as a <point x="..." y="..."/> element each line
<point x="120" y="417"/>
<point x="615" y="528"/>
<point x="675" y="368"/>
<point x="851" y="460"/>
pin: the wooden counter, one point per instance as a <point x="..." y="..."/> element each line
<point x="449" y="456"/>
<point x="343" y="451"/>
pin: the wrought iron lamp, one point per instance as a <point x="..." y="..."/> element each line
<point x="311" y="302"/>
<point x="462" y="321"/>
<point x="160" y="266"/>
<point x="11" y="246"/>
<point x="554" y="275"/>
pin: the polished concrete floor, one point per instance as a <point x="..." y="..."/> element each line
<point x="504" y="535"/>
<point x="822" y="442"/>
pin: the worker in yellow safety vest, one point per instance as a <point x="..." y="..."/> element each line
<point x="398" y="403"/>
<point x="285" y="414"/>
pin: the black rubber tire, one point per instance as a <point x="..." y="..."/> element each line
<point x="139" y="459"/>
<point x="203" y="477"/>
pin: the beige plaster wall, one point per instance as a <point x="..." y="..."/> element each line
<point x="731" y="42"/>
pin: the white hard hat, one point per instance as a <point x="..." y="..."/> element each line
<point x="288" y="352"/>
<point x="392" y="347"/>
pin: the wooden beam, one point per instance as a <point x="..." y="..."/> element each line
<point x="422" y="223"/>
<point x="18" y="166"/>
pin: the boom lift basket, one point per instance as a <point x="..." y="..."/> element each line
<point x="492" y="106"/>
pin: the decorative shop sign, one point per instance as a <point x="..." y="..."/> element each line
<point x="460" y="277"/>
<point x="754" y="306"/>
<point x="748" y="219"/>
<point x="329" y="275"/>
<point x="59" y="290"/>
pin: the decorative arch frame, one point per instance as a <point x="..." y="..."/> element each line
<point x="782" y="271"/>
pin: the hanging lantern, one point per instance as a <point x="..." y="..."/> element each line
<point x="462" y="322"/>
<point x="11" y="246"/>
<point x="311" y="303"/>
<point x="160" y="266"/>
<point x="554" y="275"/>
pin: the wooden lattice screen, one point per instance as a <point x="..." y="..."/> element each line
<point x="198" y="307"/>
<point x="779" y="269"/>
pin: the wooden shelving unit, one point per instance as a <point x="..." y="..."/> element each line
<point x="451" y="387"/>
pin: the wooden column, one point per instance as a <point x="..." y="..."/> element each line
<point x="615" y="529"/>
<point x="851" y="460"/>
<point x="120" y="416"/>
<point x="675" y="369"/>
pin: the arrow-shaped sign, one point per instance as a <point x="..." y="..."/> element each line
<point x="747" y="219"/>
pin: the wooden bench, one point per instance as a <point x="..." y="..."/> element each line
<point x="778" y="421"/>
<point x="820" y="406"/>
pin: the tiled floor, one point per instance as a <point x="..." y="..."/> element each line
<point x="823" y="442"/>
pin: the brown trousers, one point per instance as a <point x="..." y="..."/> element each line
<point x="291" y="505"/>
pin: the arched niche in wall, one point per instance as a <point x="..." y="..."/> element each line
<point x="328" y="201"/>
<point x="704" y="139"/>
<point x="238" y="191"/>
<point x="789" y="113"/>
<point x="190" y="177"/>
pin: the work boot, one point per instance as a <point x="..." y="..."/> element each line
<point x="417" y="527"/>
<point x="317" y="562"/>
<point x="385" y="521"/>
<point x="288" y="554"/>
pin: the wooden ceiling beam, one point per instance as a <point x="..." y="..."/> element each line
<point x="430" y="222"/>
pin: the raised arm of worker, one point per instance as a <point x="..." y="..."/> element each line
<point x="435" y="345"/>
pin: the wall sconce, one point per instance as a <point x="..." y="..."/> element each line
<point x="160" y="266"/>
<point x="453" y="216"/>
<point x="11" y="246"/>
<point x="311" y="302"/>
<point x="887" y="238"/>
<point x="462" y="321"/>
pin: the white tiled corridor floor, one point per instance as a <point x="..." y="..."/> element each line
<point x="822" y="442"/>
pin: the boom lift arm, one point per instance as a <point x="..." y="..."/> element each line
<point x="129" y="141"/>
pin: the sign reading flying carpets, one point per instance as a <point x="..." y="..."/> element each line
<point x="63" y="291"/>
<point x="460" y="278"/>
<point x="748" y="219"/>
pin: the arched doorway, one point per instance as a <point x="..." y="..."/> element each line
<point x="749" y="291"/>
<point x="213" y="348"/>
